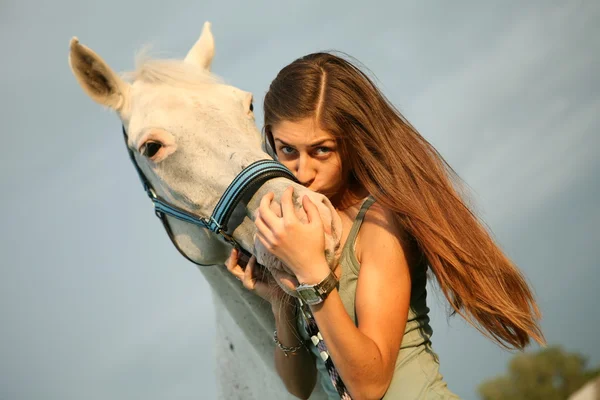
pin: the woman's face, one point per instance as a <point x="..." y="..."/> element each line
<point x="310" y="153"/>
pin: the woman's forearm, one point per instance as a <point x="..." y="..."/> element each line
<point x="297" y="370"/>
<point x="356" y="357"/>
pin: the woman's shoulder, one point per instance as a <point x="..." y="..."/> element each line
<point x="378" y="226"/>
<point x="381" y="228"/>
<point x="380" y="220"/>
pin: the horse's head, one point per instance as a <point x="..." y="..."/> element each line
<point x="190" y="134"/>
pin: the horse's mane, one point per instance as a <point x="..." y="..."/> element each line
<point x="169" y="71"/>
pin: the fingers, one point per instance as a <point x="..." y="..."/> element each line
<point x="232" y="265"/>
<point x="255" y="283"/>
<point x="266" y="214"/>
<point x="266" y="243"/>
<point x="312" y="212"/>
<point x="264" y="233"/>
<point x="249" y="280"/>
<point x="249" y="277"/>
<point x="287" y="206"/>
<point x="232" y="259"/>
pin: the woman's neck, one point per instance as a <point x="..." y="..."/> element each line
<point x="348" y="197"/>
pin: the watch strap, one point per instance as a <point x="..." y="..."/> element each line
<point x="327" y="285"/>
<point x="315" y="294"/>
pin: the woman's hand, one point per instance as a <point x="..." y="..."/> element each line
<point x="257" y="279"/>
<point x="300" y="246"/>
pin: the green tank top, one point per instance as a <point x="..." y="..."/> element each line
<point x="416" y="373"/>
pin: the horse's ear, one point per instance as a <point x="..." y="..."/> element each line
<point x="203" y="51"/>
<point x="96" y="78"/>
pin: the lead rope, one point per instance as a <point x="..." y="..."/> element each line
<point x="317" y="339"/>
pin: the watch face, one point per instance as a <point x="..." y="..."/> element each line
<point x="309" y="295"/>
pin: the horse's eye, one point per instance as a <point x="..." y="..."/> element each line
<point x="251" y="106"/>
<point x="150" y="149"/>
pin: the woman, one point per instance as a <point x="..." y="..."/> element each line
<point x="402" y="214"/>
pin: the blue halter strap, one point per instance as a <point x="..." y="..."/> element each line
<point x="250" y="177"/>
<point x="245" y="183"/>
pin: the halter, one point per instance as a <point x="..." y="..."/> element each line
<point x="248" y="181"/>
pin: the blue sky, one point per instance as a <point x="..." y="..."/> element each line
<point x="94" y="300"/>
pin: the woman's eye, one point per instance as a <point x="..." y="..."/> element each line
<point x="149" y="149"/>
<point x="286" y="149"/>
<point x="323" y="150"/>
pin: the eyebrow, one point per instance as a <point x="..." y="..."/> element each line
<point x="314" y="144"/>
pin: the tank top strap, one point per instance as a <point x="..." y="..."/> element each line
<point x="357" y="223"/>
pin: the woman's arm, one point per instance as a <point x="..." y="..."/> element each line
<point x="298" y="370"/>
<point x="364" y="356"/>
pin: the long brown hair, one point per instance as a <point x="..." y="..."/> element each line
<point x="388" y="157"/>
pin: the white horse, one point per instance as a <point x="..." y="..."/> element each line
<point x="191" y="135"/>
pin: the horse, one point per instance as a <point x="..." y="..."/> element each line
<point x="189" y="135"/>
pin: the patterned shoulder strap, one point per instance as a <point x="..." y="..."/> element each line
<point x="317" y="339"/>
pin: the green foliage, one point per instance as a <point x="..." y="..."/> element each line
<point x="549" y="374"/>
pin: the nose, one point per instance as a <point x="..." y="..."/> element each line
<point x="305" y="171"/>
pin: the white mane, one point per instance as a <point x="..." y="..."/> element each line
<point x="177" y="73"/>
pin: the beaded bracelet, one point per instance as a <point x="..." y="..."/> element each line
<point x="283" y="348"/>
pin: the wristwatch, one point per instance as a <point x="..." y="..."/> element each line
<point x="315" y="294"/>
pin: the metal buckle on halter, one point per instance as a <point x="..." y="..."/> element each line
<point x="221" y="230"/>
<point x="151" y="193"/>
<point x="228" y="238"/>
<point x="211" y="221"/>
